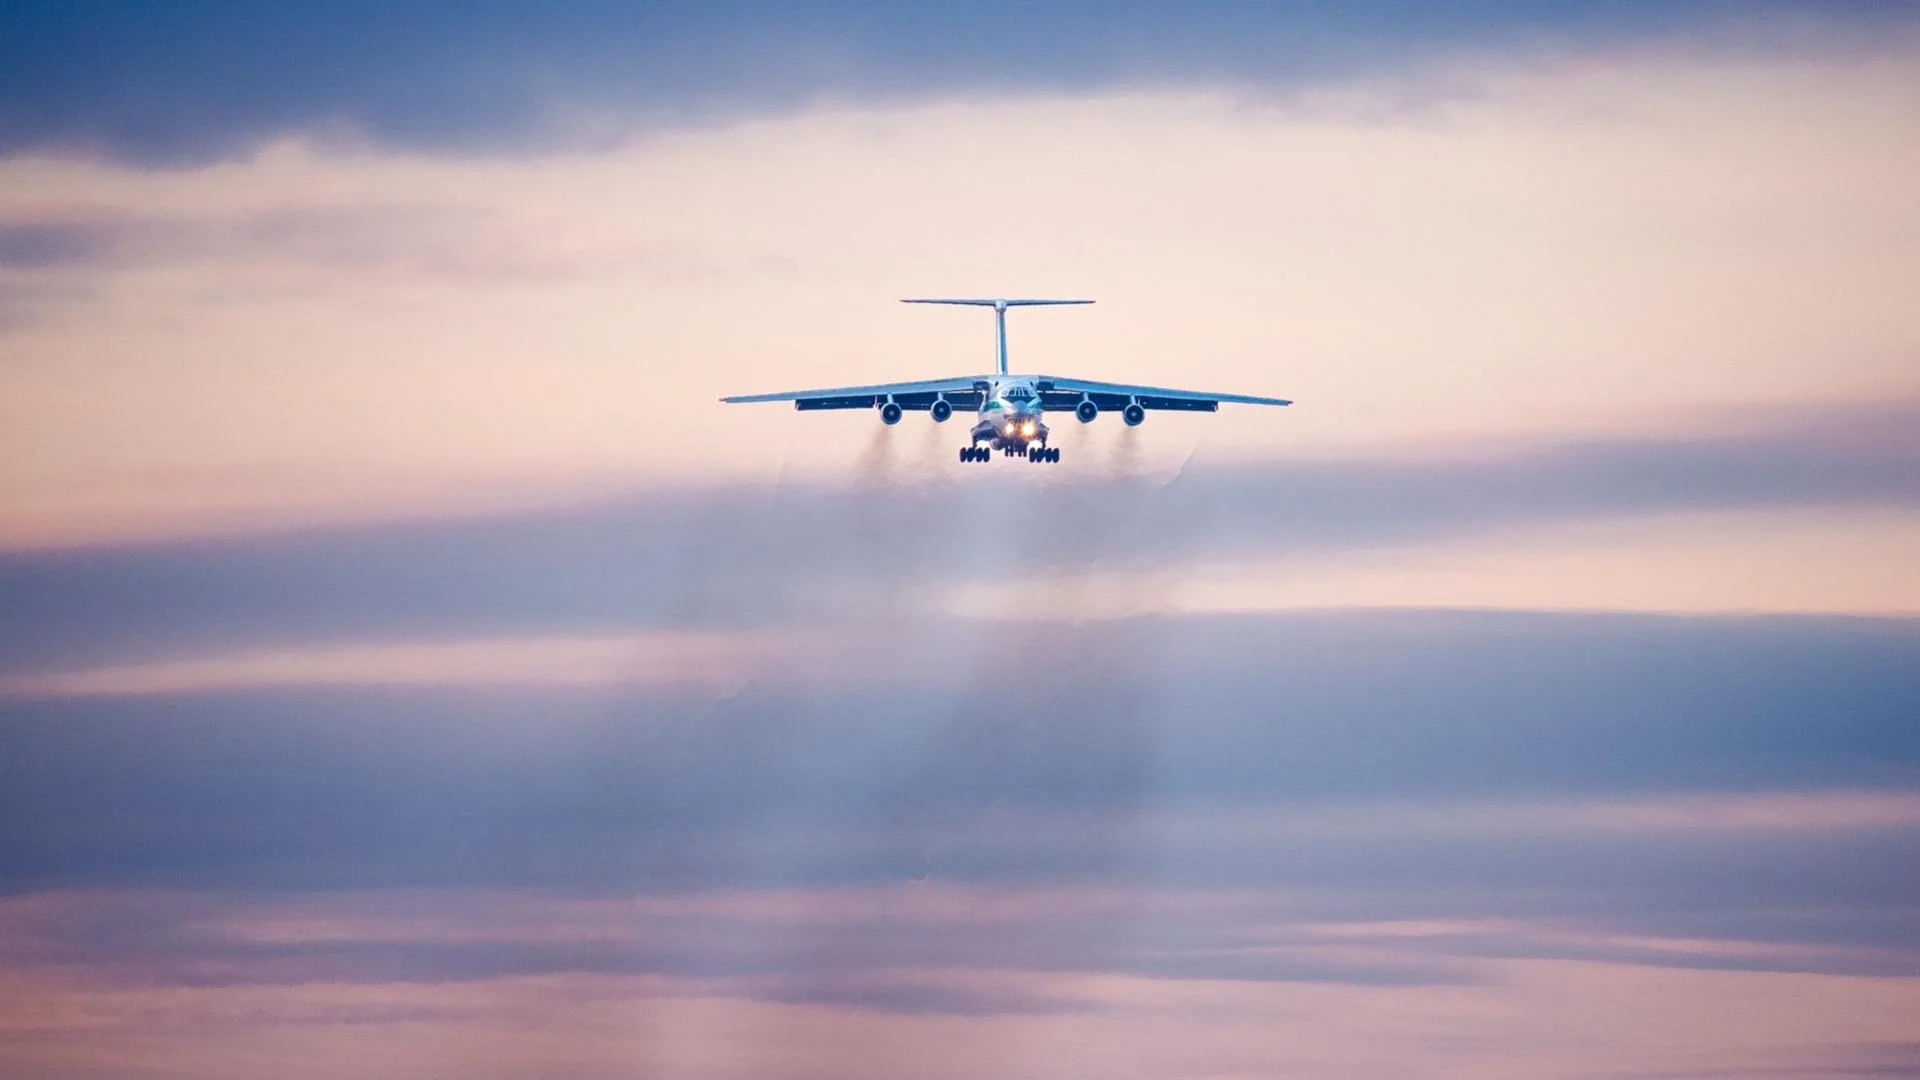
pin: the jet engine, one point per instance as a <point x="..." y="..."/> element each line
<point x="1134" y="414"/>
<point x="890" y="413"/>
<point x="1086" y="411"/>
<point x="941" y="411"/>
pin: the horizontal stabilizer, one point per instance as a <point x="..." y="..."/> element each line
<point x="995" y="303"/>
<point x="999" y="306"/>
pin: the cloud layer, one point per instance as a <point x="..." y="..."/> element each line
<point x="1219" y="824"/>
<point x="791" y="555"/>
<point x="183" y="81"/>
<point x="1079" y="751"/>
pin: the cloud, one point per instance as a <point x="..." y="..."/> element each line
<point x="744" y="556"/>
<point x="1030" y="952"/>
<point x="1537" y="1020"/>
<point x="43" y="244"/>
<point x="292" y="248"/>
<point x="1318" y="966"/>
<point x="186" y="82"/>
<point x="1897" y="1060"/>
<point x="1138" y="752"/>
<point x="666" y="659"/>
<point x="1743" y="562"/>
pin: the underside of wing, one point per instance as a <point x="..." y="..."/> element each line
<point x="1060" y="394"/>
<point x="961" y="393"/>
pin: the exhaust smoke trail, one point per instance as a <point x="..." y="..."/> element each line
<point x="874" y="468"/>
<point x="933" y="449"/>
<point x="1125" y="462"/>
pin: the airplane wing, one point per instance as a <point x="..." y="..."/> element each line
<point x="1063" y="394"/>
<point x="961" y="393"/>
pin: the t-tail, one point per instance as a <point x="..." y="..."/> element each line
<point x="999" y="307"/>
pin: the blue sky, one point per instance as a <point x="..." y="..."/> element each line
<point x="407" y="667"/>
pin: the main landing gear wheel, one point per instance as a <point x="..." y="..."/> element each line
<point x="1047" y="454"/>
<point x="974" y="453"/>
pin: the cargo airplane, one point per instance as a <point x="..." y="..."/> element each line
<point x="1008" y="408"/>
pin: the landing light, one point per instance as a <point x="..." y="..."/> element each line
<point x="1027" y="428"/>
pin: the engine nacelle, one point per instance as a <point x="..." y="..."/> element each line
<point x="1134" y="414"/>
<point x="941" y="411"/>
<point x="890" y="413"/>
<point x="1086" y="411"/>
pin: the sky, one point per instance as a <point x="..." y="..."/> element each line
<point x="408" y="667"/>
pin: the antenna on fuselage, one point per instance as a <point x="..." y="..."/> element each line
<point x="1000" y="315"/>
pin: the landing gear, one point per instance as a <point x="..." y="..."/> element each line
<point x="1033" y="454"/>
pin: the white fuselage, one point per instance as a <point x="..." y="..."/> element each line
<point x="1010" y="414"/>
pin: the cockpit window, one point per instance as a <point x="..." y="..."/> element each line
<point x="1019" y="393"/>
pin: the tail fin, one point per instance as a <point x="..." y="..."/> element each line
<point x="999" y="307"/>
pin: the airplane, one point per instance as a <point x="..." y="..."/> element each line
<point x="1009" y="407"/>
